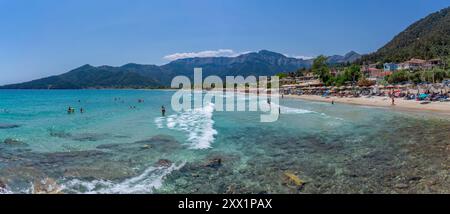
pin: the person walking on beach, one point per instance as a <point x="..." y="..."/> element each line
<point x="393" y="100"/>
<point x="163" y="111"/>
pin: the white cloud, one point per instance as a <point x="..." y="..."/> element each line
<point x="300" y="57"/>
<point x="304" y="57"/>
<point x="208" y="53"/>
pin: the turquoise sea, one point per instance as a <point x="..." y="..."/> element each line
<point x="120" y="145"/>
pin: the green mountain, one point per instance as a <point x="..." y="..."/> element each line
<point x="262" y="63"/>
<point x="427" y="38"/>
<point x="87" y="76"/>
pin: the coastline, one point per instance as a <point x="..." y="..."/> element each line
<point x="442" y="108"/>
<point x="382" y="102"/>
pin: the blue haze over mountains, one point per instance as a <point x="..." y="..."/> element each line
<point x="262" y="63"/>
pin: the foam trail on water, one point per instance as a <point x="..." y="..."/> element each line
<point x="159" y="122"/>
<point x="152" y="178"/>
<point x="197" y="123"/>
<point x="289" y="110"/>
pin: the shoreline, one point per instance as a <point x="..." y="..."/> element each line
<point x="382" y="102"/>
<point x="375" y="101"/>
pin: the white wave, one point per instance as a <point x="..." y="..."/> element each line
<point x="327" y="116"/>
<point x="151" y="179"/>
<point x="197" y="123"/>
<point x="289" y="110"/>
<point x="159" y="122"/>
<point x="5" y="191"/>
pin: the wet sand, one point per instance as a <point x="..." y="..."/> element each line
<point x="385" y="102"/>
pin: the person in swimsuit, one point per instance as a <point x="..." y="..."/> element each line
<point x="163" y="111"/>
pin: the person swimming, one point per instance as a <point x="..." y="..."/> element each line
<point x="163" y="111"/>
<point x="70" y="110"/>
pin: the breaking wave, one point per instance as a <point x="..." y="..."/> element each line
<point x="151" y="179"/>
<point x="288" y="110"/>
<point x="198" y="124"/>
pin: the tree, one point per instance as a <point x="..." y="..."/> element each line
<point x="350" y="74"/>
<point x="321" y="69"/>
<point x="353" y="73"/>
<point x="282" y="75"/>
<point x="436" y="75"/>
<point x="415" y="77"/>
<point x="363" y="82"/>
<point x="301" y="72"/>
<point x="398" y="77"/>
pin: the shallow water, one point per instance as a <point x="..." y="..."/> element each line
<point x="112" y="148"/>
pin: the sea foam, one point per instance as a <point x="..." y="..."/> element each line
<point x="198" y="124"/>
<point x="151" y="179"/>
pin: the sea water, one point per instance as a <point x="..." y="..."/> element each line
<point x="121" y="145"/>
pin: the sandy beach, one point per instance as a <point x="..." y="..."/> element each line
<point x="385" y="102"/>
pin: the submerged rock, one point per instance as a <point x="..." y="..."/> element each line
<point x="2" y="185"/>
<point x="163" y="163"/>
<point x="157" y="139"/>
<point x="14" y="142"/>
<point x="110" y="171"/>
<point x="8" y="126"/>
<point x="80" y="137"/>
<point x="46" y="186"/>
<point x="109" y="146"/>
<point x="90" y="137"/>
<point x="60" y="134"/>
<point x="161" y="143"/>
<point x="401" y="186"/>
<point x="146" y="147"/>
<point x="293" y="179"/>
<point x="214" y="163"/>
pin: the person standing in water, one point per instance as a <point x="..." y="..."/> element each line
<point x="81" y="110"/>
<point x="163" y="111"/>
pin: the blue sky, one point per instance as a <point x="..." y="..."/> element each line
<point x="39" y="38"/>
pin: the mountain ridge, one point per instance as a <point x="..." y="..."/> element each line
<point x="133" y="75"/>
